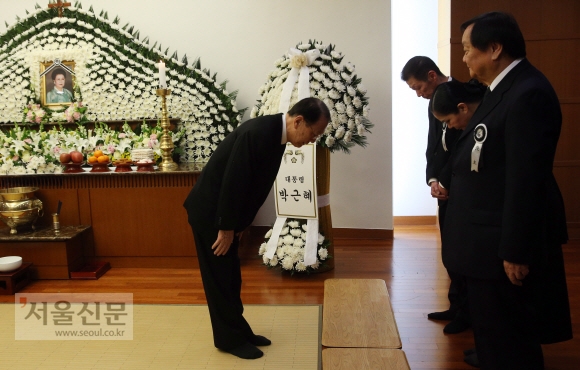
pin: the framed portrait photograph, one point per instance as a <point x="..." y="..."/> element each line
<point x="57" y="81"/>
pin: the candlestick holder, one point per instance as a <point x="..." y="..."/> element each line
<point x="166" y="144"/>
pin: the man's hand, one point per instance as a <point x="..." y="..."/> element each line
<point x="437" y="191"/>
<point x="515" y="272"/>
<point x="223" y="242"/>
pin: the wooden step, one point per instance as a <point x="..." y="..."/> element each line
<point x="364" y="359"/>
<point x="358" y="313"/>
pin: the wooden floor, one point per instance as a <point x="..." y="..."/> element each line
<point x="410" y="265"/>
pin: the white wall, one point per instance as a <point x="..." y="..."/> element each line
<point x="241" y="39"/>
<point x="414" y="32"/>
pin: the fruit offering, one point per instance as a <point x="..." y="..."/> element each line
<point x="64" y="158"/>
<point x="123" y="162"/>
<point x="98" y="157"/>
<point x="76" y="156"/>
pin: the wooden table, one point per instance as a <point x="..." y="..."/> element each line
<point x="54" y="255"/>
<point x="12" y="281"/>
<point x="364" y="359"/>
<point x="137" y="218"/>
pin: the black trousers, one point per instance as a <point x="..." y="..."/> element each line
<point x="457" y="294"/>
<point x="222" y="282"/>
<point x="504" y="322"/>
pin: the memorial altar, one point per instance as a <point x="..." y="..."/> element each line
<point x="137" y="218"/>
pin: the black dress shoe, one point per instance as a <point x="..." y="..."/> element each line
<point x="472" y="360"/>
<point x="443" y="315"/>
<point x="456" y="326"/>
<point x="467" y="352"/>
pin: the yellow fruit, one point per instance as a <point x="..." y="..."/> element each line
<point x="103" y="159"/>
<point x="93" y="159"/>
<point x="98" y="153"/>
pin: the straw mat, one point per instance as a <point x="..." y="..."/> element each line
<point x="174" y="337"/>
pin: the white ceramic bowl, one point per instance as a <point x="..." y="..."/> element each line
<point x="10" y="263"/>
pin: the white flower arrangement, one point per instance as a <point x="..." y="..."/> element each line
<point x="289" y="254"/>
<point x="333" y="82"/>
<point x="116" y="75"/>
<point x="26" y="151"/>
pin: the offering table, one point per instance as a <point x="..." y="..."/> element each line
<point x="136" y="218"/>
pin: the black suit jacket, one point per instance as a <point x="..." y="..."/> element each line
<point x="436" y="155"/>
<point x="512" y="208"/>
<point x="239" y="175"/>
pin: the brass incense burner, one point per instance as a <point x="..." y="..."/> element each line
<point x="19" y="207"/>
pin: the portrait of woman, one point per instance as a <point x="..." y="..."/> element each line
<point x="59" y="93"/>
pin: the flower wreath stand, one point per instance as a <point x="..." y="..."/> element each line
<point x="324" y="216"/>
<point x="314" y="69"/>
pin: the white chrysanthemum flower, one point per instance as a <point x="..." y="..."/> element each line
<point x="339" y="133"/>
<point x="351" y="91"/>
<point x="334" y="76"/>
<point x="322" y="94"/>
<point x="300" y="266"/>
<point x="340" y="107"/>
<point x="326" y="69"/>
<point x="265" y="259"/>
<point x="361" y="89"/>
<point x="323" y="253"/>
<point x="350" y="111"/>
<point x="274" y="261"/>
<point x="320" y="238"/>
<point x="345" y="76"/>
<point x="315" y="265"/>
<point x="294" y="224"/>
<point x="329" y="141"/>
<point x="305" y="227"/>
<point x="288" y="239"/>
<point x="328" y="83"/>
<point x="295" y="232"/>
<point x="284" y="231"/>
<point x="268" y="234"/>
<point x="298" y="242"/>
<point x="334" y="94"/>
<point x="339" y="86"/>
<point x="348" y="136"/>
<point x="280" y="253"/>
<point x="288" y="263"/>
<point x="262" y="249"/>
<point x="360" y="130"/>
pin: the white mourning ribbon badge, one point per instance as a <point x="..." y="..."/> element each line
<point x="479" y="135"/>
<point x="443" y="137"/>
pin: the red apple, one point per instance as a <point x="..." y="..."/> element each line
<point x="77" y="157"/>
<point x="64" y="158"/>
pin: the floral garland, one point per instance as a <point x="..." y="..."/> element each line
<point x="26" y="151"/>
<point x="331" y="81"/>
<point x="116" y="75"/>
<point x="290" y="248"/>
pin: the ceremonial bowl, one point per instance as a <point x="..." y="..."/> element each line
<point x="10" y="263"/>
<point x="19" y="207"/>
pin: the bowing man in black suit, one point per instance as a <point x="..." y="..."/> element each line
<point x="505" y="218"/>
<point x="229" y="192"/>
<point x="423" y="76"/>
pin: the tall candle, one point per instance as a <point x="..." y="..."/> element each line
<point x="162" y="82"/>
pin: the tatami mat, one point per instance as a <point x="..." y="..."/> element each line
<point x="174" y="337"/>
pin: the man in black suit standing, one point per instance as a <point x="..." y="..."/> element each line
<point x="423" y="76"/>
<point x="229" y="192"/>
<point x="505" y="218"/>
